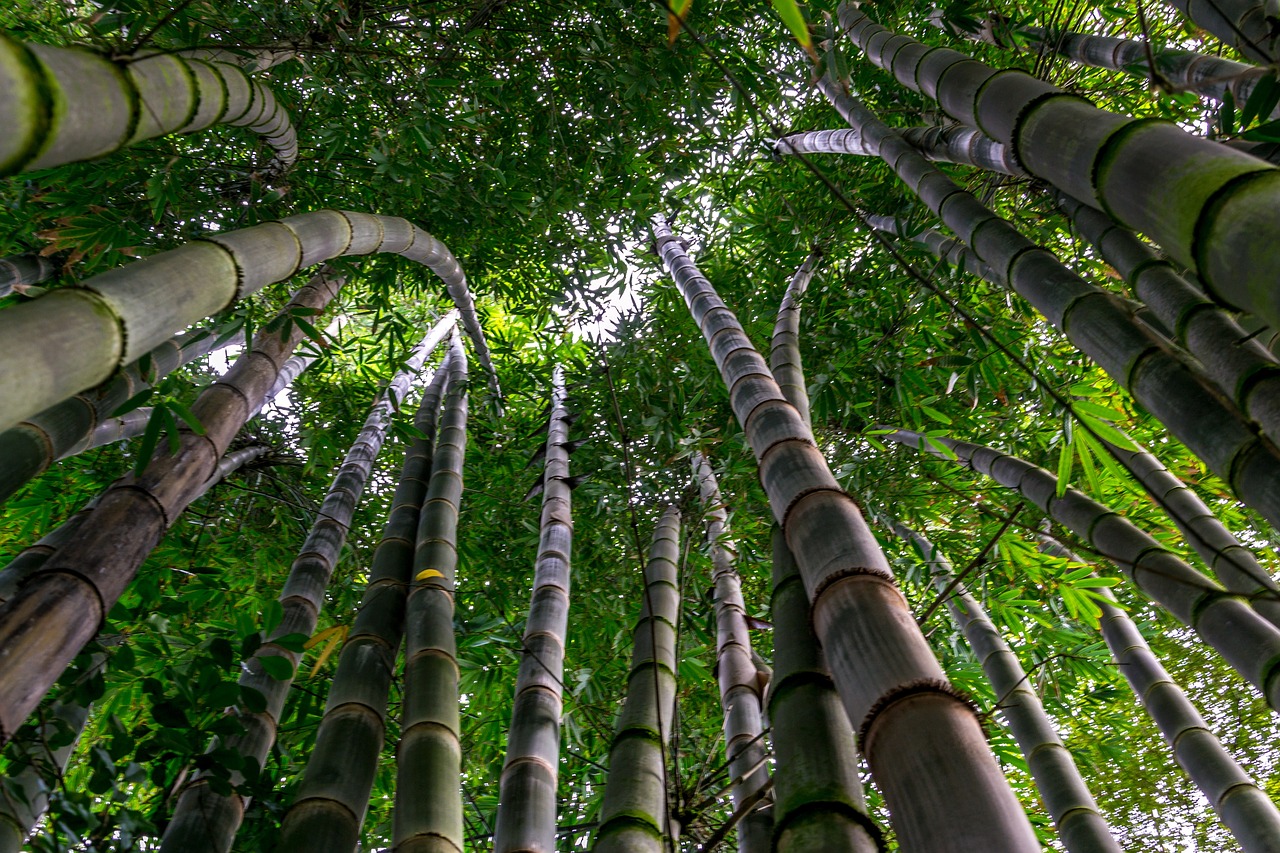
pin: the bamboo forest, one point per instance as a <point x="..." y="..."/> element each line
<point x="670" y="427"/>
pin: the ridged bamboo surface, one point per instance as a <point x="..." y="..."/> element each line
<point x="954" y="144"/>
<point x="1243" y="24"/>
<point x="17" y="271"/>
<point x="923" y="742"/>
<point x="945" y="248"/>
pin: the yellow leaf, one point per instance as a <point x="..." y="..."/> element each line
<point x="321" y="636"/>
<point x="339" y="634"/>
<point x="426" y="574"/>
<point x="677" y="11"/>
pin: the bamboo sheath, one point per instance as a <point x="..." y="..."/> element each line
<point x="207" y="821"/>
<point x="329" y="807"/>
<point x="1209" y="206"/>
<point x="62" y="605"/>
<point x="1100" y="323"/>
<point x="527" y="788"/>
<point x="634" y="817"/>
<point x="1247" y="641"/>
<point x="922" y="740"/>
<point x="18" y="271"/>
<point x="1246" y="810"/>
<point x="818" y="801"/>
<point x="1081" y="826"/>
<point x="1246" y="25"/>
<point x="740" y="698"/>
<point x="67" y="104"/>
<point x="428" y="807"/>
<point x="72" y="339"/>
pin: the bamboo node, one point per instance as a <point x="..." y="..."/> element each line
<point x="904" y="691"/>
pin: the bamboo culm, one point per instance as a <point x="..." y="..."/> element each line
<point x="527" y="788"/>
<point x="740" y="689"/>
<point x="945" y="248"/>
<point x="1246" y="25"/>
<point x="205" y="821"/>
<point x="72" y="339"/>
<point x="428" y="807"/>
<point x="67" y="104"/>
<point x="634" y="816"/>
<point x="17" y="272"/>
<point x="1247" y="641"/>
<point x="1081" y="826"/>
<point x="942" y="144"/>
<point x="892" y="687"/>
<point x="1209" y="206"/>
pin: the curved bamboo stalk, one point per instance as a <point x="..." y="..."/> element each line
<point x="19" y="271"/>
<point x="784" y="347"/>
<point x="1100" y="323"/>
<point x="1075" y="813"/>
<point x="1247" y="641"/>
<point x="1246" y="810"/>
<point x="740" y="689"/>
<point x="907" y="713"/>
<point x="1243" y="24"/>
<point x="527" y="788"/>
<point x="1209" y="205"/>
<point x="634" y="816"/>
<point x="67" y="104"/>
<point x="207" y="821"/>
<point x="329" y="807"/>
<point x="428" y="809"/>
<point x="72" y="339"/>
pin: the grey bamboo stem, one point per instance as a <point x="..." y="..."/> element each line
<point x="907" y="713"/>
<point x="1243" y="24"/>
<point x="527" y="788"/>
<point x="634" y="817"/>
<point x="19" y="271"/>
<point x="952" y="144"/>
<point x="204" y="820"/>
<point x="1075" y="813"/>
<point x="945" y="248"/>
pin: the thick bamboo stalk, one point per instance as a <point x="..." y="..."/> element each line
<point x="1246" y="25"/>
<point x="67" y="104"/>
<point x="1081" y="826"/>
<point x="740" y="689"/>
<point x="922" y="740"/>
<point x="1246" y="810"/>
<point x="945" y="248"/>
<point x="1100" y="323"/>
<point x="527" y="788"/>
<point x="1247" y="641"/>
<point x="18" y="271"/>
<point x="428" y="808"/>
<point x="207" y="821"/>
<point x="634" y="817"/>
<point x="1209" y="206"/>
<point x="72" y="339"/>
<point x="949" y="144"/>
<point x="329" y="807"/>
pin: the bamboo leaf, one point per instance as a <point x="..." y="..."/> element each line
<point x="427" y="574"/>
<point x="677" y="11"/>
<point x="1066" y="455"/>
<point x="335" y="640"/>
<point x="276" y="666"/>
<point x="1261" y="101"/>
<point x="791" y="15"/>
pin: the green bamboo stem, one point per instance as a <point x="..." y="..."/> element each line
<point x="818" y="800"/>
<point x="72" y="339"/>
<point x="1246" y="810"/>
<point x="1100" y="323"/>
<point x="1247" y="641"/>
<point x="634" y="817"/>
<point x="1081" y="826"/>
<point x="67" y="104"/>
<point x="329" y="807"/>
<point x="527" y="788"/>
<point x="740" y="689"/>
<point x="1208" y="205"/>
<point x="19" y="271"/>
<point x="428" y="808"/>
<point x="207" y="821"/>
<point x="908" y="715"/>
<point x="1243" y="24"/>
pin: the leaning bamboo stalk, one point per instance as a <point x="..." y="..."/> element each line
<point x="19" y="271"/>
<point x="428" y="807"/>
<point x="892" y="686"/>
<point x="252" y="59"/>
<point x="72" y="339"/>
<point x="1209" y="206"/>
<point x="527" y="788"/>
<point x="67" y="104"/>
<point x="1246" y="25"/>
<point x="740" y="689"/>
<point x="1247" y="641"/>
<point x="329" y="807"/>
<point x="1099" y="322"/>
<point x="634" y="816"/>
<point x="945" y="248"/>
<point x="1081" y="826"/>
<point x="953" y="144"/>
<point x="1246" y="810"/>
<point x="818" y="800"/>
<point x="207" y="821"/>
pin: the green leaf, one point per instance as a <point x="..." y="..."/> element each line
<point x="1262" y="100"/>
<point x="276" y="666"/>
<point x="1066" y="455"/>
<point x="789" y="12"/>
<point x="252" y="700"/>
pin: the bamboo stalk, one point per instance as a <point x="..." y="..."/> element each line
<point x="945" y="248"/>
<point x="908" y="716"/>
<point x="19" y="271"/>
<point x="1243" y="24"/>
<point x="527" y="788"/>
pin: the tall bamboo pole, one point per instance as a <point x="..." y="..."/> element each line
<point x="204" y="820"/>
<point x="428" y="808"/>
<point x="1246" y="25"/>
<point x="922" y="740"/>
<point x="17" y="271"/>
<point x="634" y="817"/>
<point x="740" y="698"/>
<point x="527" y="789"/>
